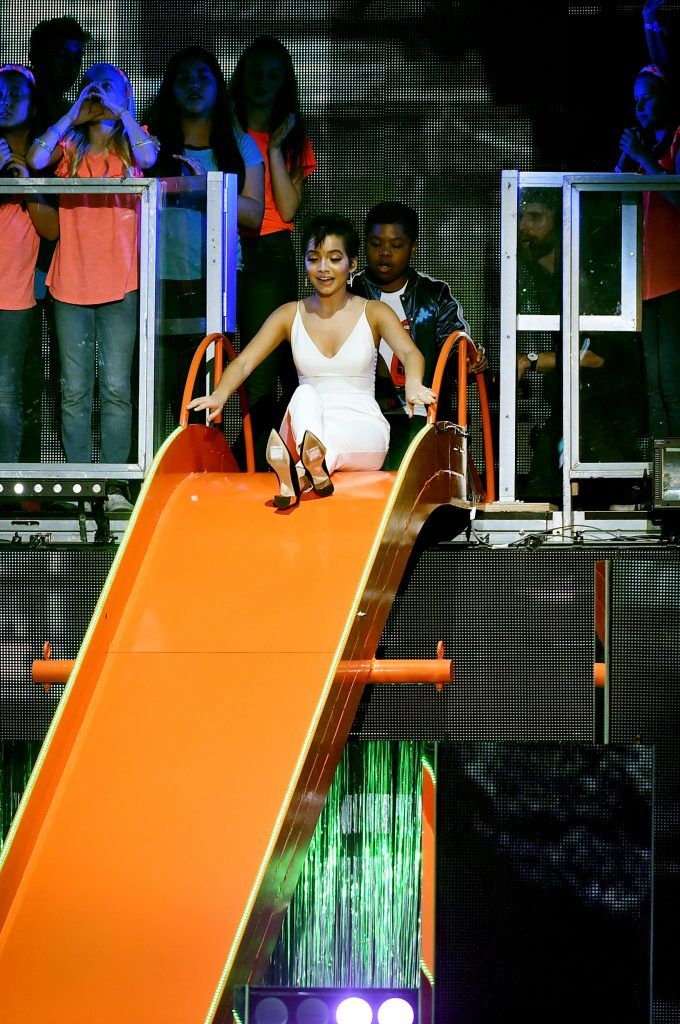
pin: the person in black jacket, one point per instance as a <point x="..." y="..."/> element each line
<point x="424" y="305"/>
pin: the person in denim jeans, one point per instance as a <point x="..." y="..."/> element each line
<point x="94" y="276"/>
<point x="21" y="222"/>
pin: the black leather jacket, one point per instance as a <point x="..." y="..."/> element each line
<point x="431" y="310"/>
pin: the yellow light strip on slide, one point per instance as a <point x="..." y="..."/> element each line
<point x="401" y="473"/>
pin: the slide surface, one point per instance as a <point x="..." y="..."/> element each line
<point x="164" y="826"/>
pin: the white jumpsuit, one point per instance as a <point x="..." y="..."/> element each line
<point x="336" y="399"/>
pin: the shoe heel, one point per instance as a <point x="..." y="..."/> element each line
<point x="313" y="456"/>
<point x="281" y="461"/>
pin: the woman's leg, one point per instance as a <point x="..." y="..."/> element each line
<point x="116" y="325"/>
<point x="75" y="334"/>
<point x="15" y="331"/>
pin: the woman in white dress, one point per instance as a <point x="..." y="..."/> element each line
<point x="333" y="421"/>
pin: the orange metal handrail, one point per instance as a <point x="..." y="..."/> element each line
<point x="466" y="346"/>
<point x="221" y="344"/>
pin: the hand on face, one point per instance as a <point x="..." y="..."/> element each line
<point x="282" y="132"/>
<point x="88" y="105"/>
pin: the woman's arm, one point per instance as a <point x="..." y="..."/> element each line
<point x="656" y="33"/>
<point x="144" y="147"/>
<point x="386" y="323"/>
<point x="45" y="150"/>
<point x="286" y="186"/>
<point x="44" y="216"/>
<point x="274" y="330"/>
<point x="251" y="198"/>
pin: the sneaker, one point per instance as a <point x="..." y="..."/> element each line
<point x="117" y="504"/>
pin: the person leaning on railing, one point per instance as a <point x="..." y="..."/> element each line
<point x="22" y="221"/>
<point x="94" y="275"/>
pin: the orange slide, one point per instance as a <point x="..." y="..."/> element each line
<point x="162" y="832"/>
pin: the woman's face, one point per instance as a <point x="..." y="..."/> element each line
<point x="327" y="265"/>
<point x="16" y="101"/>
<point x="113" y="88"/>
<point x="651" y="107"/>
<point x="195" y="88"/>
<point x="263" y="77"/>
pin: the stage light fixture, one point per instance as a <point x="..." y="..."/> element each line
<point x="275" y="1005"/>
<point x="395" y="1011"/>
<point x="354" y="1010"/>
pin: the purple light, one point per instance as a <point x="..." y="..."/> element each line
<point x="396" y="1011"/>
<point x="354" y="1011"/>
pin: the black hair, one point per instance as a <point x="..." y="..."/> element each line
<point x="36" y="115"/>
<point x="164" y="119"/>
<point x="393" y="213"/>
<point x="320" y="226"/>
<point x="550" y="198"/>
<point x="45" y="32"/>
<point x="287" y="102"/>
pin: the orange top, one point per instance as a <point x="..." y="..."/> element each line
<point x="272" y="220"/>
<point x="18" y="255"/>
<point x="96" y="259"/>
<point x="661" y="238"/>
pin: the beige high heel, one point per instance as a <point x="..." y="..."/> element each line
<point x="281" y="461"/>
<point x="313" y="456"/>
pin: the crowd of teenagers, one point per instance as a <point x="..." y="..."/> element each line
<point x="309" y="366"/>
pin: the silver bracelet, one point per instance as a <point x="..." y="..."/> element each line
<point x="654" y="26"/>
<point x="142" y="142"/>
<point x="43" y="145"/>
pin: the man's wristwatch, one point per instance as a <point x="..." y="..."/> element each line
<point x="533" y="360"/>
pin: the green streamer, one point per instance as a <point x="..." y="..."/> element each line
<point x="354" y="917"/>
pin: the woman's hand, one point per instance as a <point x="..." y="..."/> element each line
<point x="17" y="165"/>
<point x="632" y="145"/>
<point x="207" y="402"/>
<point x="417" y="394"/>
<point x="279" y="134"/>
<point x="87" y="105"/>
<point x="480" y="364"/>
<point x="5" y="153"/>
<point x="195" y="166"/>
<point x="651" y="8"/>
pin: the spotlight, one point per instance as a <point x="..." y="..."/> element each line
<point x="38" y="488"/>
<point x="18" y="488"/>
<point x="77" y="488"/>
<point x="354" y="1011"/>
<point x="57" y="488"/>
<point x="395" y="1011"/>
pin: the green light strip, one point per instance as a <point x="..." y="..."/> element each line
<point x="315" y="720"/>
<point x="86" y="640"/>
<point x="426" y="971"/>
<point x="429" y="769"/>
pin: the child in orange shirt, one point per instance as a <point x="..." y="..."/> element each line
<point x="21" y="222"/>
<point x="94" y="276"/>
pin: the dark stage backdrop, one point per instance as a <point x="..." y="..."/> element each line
<point x="423" y="101"/>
